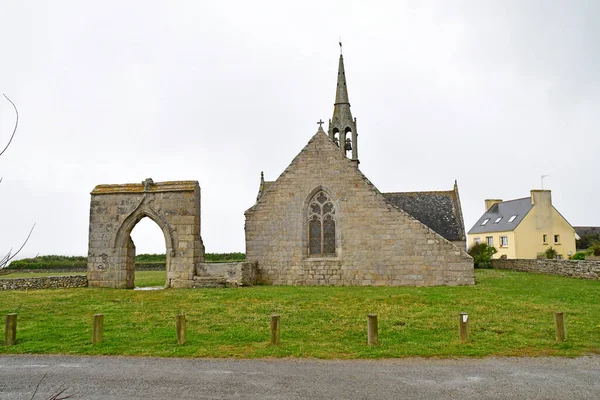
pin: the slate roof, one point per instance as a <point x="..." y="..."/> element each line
<point x="587" y="230"/>
<point x="438" y="210"/>
<point x="505" y="209"/>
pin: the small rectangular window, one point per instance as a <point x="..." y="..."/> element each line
<point x="511" y="219"/>
<point x="490" y="240"/>
<point x="477" y="240"/>
<point x="545" y="239"/>
<point x="559" y="257"/>
<point x="485" y="221"/>
<point x="503" y="241"/>
<point x="556" y="239"/>
<point x="498" y="220"/>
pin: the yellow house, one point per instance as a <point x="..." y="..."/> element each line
<point x="524" y="228"/>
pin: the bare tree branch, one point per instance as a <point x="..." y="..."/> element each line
<point x="59" y="395"/>
<point x="8" y="257"/>
<point x="38" y="386"/>
<point x="56" y="396"/>
<point x="16" y="124"/>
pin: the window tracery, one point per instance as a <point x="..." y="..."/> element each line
<point x="321" y="226"/>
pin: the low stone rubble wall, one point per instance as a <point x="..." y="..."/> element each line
<point x="573" y="268"/>
<point x="46" y="282"/>
<point x="234" y="274"/>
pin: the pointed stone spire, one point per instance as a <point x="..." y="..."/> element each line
<point x="342" y="127"/>
<point x="341" y="92"/>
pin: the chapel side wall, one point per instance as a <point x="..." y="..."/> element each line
<point x="377" y="244"/>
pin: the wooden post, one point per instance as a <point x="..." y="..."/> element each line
<point x="98" y="330"/>
<point x="463" y="324"/>
<point x="274" y="329"/>
<point x="372" y="337"/>
<point x="559" y="324"/>
<point x="10" y="334"/>
<point x="181" y="329"/>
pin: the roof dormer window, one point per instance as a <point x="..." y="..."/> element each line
<point x="498" y="220"/>
<point x="485" y="221"/>
<point x="511" y="219"/>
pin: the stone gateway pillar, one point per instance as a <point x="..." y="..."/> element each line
<point x="114" y="212"/>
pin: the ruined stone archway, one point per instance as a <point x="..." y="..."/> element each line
<point x="114" y="212"/>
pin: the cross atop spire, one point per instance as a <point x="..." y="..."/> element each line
<point x="320" y="123"/>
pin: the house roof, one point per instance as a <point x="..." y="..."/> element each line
<point x="439" y="210"/>
<point x="504" y="210"/>
<point x="587" y="230"/>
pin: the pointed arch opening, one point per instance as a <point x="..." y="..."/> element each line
<point x="149" y="248"/>
<point x="336" y="136"/>
<point x="126" y="248"/>
<point x="348" y="140"/>
<point x="322" y="225"/>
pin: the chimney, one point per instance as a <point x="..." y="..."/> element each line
<point x="490" y="202"/>
<point x="541" y="197"/>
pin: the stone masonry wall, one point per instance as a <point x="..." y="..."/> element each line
<point x="376" y="243"/>
<point x="114" y="212"/>
<point x="47" y="282"/>
<point x="573" y="268"/>
<point x="234" y="274"/>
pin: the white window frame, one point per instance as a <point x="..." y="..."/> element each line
<point x="556" y="239"/>
<point x="545" y="238"/>
<point x="511" y="219"/>
<point x="489" y="240"/>
<point x="477" y="240"/>
<point x="485" y="221"/>
<point x="503" y="241"/>
<point x="498" y="220"/>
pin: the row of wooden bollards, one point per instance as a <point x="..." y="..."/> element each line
<point x="10" y="333"/>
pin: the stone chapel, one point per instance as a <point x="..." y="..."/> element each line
<point x="322" y="222"/>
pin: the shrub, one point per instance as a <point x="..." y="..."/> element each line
<point x="482" y="255"/>
<point x="580" y="255"/>
<point x="550" y="253"/>
<point x="49" y="262"/>
<point x="588" y="240"/>
<point x="595" y="249"/>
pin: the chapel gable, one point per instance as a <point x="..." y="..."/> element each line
<point x="322" y="222"/>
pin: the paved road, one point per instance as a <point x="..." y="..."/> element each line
<point x="174" y="378"/>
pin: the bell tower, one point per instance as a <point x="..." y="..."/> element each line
<point x="342" y="127"/>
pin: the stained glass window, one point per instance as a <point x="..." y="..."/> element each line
<point x="321" y="226"/>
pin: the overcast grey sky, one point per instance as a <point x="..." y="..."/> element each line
<point x="491" y="93"/>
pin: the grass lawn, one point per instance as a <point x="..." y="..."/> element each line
<point x="510" y="313"/>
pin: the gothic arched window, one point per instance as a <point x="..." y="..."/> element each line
<point x="321" y="226"/>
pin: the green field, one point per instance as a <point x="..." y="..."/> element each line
<point x="510" y="313"/>
<point x="142" y="278"/>
<point x="141" y="260"/>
